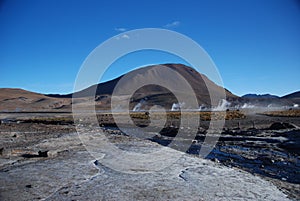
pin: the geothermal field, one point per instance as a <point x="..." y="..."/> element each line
<point x="149" y="145"/>
<point x="256" y="157"/>
<point x="107" y="100"/>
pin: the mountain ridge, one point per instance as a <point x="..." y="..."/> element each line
<point x="19" y="99"/>
<point x="251" y="95"/>
<point x="157" y="95"/>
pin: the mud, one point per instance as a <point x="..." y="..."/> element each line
<point x="253" y="144"/>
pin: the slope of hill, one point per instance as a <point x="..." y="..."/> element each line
<point x="22" y="100"/>
<point x="17" y="100"/>
<point x="292" y="95"/>
<point x="267" y="100"/>
<point x="155" y="94"/>
<point x="259" y="96"/>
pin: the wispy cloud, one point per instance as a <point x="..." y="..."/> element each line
<point x="172" y="24"/>
<point x="123" y="36"/>
<point x="120" y="29"/>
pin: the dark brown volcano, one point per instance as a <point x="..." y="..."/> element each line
<point x="155" y="94"/>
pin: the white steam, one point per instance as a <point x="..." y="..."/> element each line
<point x="138" y="107"/>
<point x="177" y="106"/>
<point x="222" y="106"/>
<point x="247" y="106"/>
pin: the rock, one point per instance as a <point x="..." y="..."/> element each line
<point x="281" y="125"/>
<point x="43" y="153"/>
<point x="177" y="182"/>
<point x="216" y="160"/>
<point x="96" y="162"/>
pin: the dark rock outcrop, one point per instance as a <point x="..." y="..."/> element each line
<point x="281" y="125"/>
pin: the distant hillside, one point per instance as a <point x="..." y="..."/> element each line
<point x="259" y="96"/>
<point x="16" y="100"/>
<point x="292" y="95"/>
<point x="267" y="100"/>
<point x="160" y="95"/>
<point x="13" y="99"/>
<point x="22" y="100"/>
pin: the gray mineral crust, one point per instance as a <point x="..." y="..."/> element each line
<point x="71" y="173"/>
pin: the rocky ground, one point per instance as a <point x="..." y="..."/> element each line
<point x="40" y="161"/>
<point x="268" y="147"/>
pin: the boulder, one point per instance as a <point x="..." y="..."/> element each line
<point x="281" y="125"/>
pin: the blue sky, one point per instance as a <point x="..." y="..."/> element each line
<point x="254" y="43"/>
